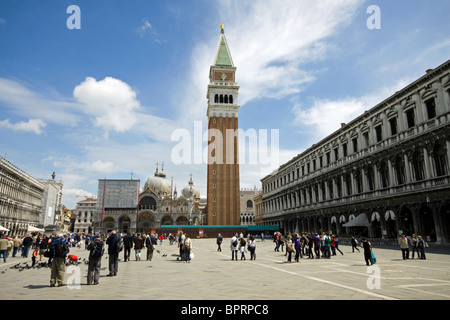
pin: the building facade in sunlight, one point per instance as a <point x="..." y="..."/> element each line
<point x="126" y="206"/>
<point x="382" y="174"/>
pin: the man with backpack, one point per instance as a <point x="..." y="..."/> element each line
<point x="59" y="250"/>
<point x="96" y="249"/>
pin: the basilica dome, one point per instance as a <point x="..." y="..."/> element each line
<point x="159" y="184"/>
<point x="190" y="190"/>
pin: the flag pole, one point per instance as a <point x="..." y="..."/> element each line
<point x="171" y="199"/>
<point x="103" y="202"/>
<point x="137" y="207"/>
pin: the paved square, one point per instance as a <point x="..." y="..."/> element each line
<point x="213" y="275"/>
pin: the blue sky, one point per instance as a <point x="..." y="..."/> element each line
<point x="105" y="99"/>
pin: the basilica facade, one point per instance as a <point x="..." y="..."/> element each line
<point x="125" y="206"/>
<point x="382" y="174"/>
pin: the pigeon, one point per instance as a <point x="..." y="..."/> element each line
<point x="4" y="271"/>
<point x="164" y="255"/>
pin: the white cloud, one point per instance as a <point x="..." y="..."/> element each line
<point x="110" y="101"/>
<point x="32" y="125"/>
<point x="323" y="116"/>
<point x="50" y="108"/>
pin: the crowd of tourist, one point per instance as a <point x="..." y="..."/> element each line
<point x="296" y="246"/>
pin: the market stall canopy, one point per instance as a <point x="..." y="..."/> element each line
<point x="2" y="228"/>
<point x="34" y="229"/>
<point x="359" y="221"/>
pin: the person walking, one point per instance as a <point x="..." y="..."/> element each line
<point x="3" y="247"/>
<point x="59" y="251"/>
<point x="309" y="245"/>
<point x="354" y="243"/>
<point x="414" y="246"/>
<point x="297" y="247"/>
<point x="113" y="255"/>
<point x="276" y="239"/>
<point x="96" y="250"/>
<point x="335" y="245"/>
<point x="17" y="245"/>
<point x="317" y="245"/>
<point x="326" y="246"/>
<point x="252" y="247"/>
<point x="234" y="247"/>
<point x="219" y="242"/>
<point x="187" y="248"/>
<point x="367" y="246"/>
<point x="27" y="242"/>
<point x="404" y="245"/>
<point x="43" y="246"/>
<point x="421" y="245"/>
<point x="289" y="248"/>
<point x="127" y="246"/>
<point x="150" y="243"/>
<point x="138" y="246"/>
<point x="242" y="248"/>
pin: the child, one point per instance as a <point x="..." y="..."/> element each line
<point x="34" y="255"/>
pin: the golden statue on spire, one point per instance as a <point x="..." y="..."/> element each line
<point x="221" y="26"/>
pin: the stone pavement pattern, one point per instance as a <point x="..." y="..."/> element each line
<point x="213" y="275"/>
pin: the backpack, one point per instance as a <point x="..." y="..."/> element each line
<point x="60" y="249"/>
<point x="120" y="245"/>
<point x="235" y="243"/>
<point x="97" y="251"/>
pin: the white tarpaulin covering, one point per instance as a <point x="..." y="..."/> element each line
<point x="2" y="228"/>
<point x="34" y="229"/>
<point x="359" y="221"/>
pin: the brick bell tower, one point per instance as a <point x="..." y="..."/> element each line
<point x="223" y="192"/>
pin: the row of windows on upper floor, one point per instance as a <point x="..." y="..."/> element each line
<point x="366" y="179"/>
<point x="223" y="98"/>
<point x="410" y="117"/>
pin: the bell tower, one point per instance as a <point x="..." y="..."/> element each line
<point x="223" y="191"/>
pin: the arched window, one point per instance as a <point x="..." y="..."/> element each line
<point x="439" y="158"/>
<point x="221" y="98"/>
<point x="249" y="204"/>
<point x="400" y="170"/>
<point x="226" y="99"/>
<point x="216" y="98"/>
<point x="418" y="165"/>
<point x="230" y="99"/>
<point x="384" y="172"/>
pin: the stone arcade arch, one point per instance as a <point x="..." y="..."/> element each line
<point x="109" y="224"/>
<point x="124" y="224"/>
<point x="146" y="222"/>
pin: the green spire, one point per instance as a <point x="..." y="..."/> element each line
<point x="223" y="57"/>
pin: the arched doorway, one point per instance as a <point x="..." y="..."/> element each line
<point x="108" y="224"/>
<point x="426" y="223"/>
<point x="146" y="221"/>
<point x="445" y="218"/>
<point x="406" y="222"/>
<point x="391" y="224"/>
<point x="182" y="221"/>
<point x="166" y="220"/>
<point x="124" y="224"/>
<point x="375" y="221"/>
